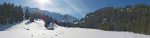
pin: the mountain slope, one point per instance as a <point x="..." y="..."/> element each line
<point x="130" y="18"/>
<point x="57" y="16"/>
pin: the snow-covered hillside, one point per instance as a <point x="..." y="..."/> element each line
<point x="27" y="25"/>
<point x="37" y="30"/>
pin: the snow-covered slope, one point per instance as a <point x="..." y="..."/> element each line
<point x="37" y="30"/>
<point x="27" y="25"/>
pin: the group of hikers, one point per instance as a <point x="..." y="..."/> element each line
<point x="49" y="22"/>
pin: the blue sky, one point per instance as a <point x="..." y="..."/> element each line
<point x="77" y="8"/>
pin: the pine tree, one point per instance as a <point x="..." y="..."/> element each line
<point x="10" y="13"/>
<point x="27" y="14"/>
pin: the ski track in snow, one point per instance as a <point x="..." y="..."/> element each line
<point x="37" y="30"/>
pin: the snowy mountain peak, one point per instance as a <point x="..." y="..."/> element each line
<point x="57" y="16"/>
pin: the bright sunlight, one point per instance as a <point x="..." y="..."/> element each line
<point x="43" y="2"/>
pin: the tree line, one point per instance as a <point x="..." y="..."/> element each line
<point x="9" y="13"/>
<point x="129" y="18"/>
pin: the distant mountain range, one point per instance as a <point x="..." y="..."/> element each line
<point x="57" y="16"/>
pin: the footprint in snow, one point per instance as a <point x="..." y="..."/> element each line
<point x="43" y="34"/>
<point x="52" y="37"/>
<point x="31" y="35"/>
<point x="55" y="35"/>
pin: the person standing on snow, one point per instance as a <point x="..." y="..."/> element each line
<point x="48" y="22"/>
<point x="44" y="18"/>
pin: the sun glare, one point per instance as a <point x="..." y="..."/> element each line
<point x="43" y="2"/>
